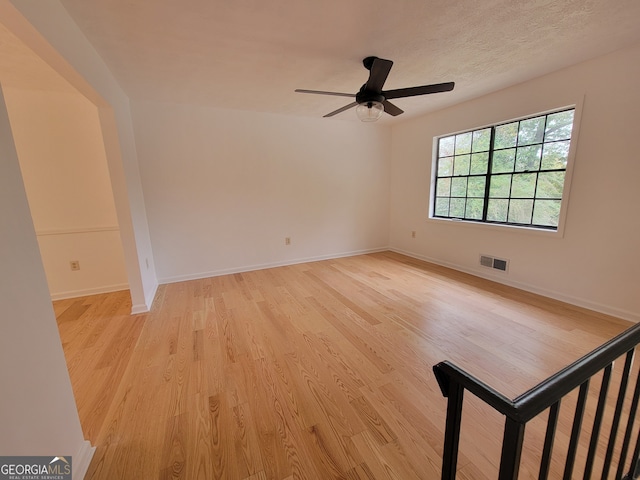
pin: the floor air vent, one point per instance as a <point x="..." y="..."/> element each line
<point x="496" y="263"/>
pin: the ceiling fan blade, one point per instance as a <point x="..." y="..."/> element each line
<point x="391" y="109"/>
<point x="378" y="74"/>
<point x="319" y="92"/>
<point x="346" y="107"/>
<point x="414" y="91"/>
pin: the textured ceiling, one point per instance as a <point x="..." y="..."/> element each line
<point x="252" y="54"/>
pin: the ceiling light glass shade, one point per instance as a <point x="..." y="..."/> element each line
<point x="370" y="111"/>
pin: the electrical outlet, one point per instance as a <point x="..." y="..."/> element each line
<point x="287" y="240"/>
<point x="75" y="265"/>
<point x="413" y="234"/>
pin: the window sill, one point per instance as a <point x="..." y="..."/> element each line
<point x="559" y="233"/>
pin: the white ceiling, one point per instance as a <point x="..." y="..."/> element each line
<point x="252" y="54"/>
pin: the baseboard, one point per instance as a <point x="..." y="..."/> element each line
<point x="89" y="291"/>
<point x="139" y="308"/>
<point x="577" y="301"/>
<point x="148" y="299"/>
<point x="249" y="268"/>
<point x="82" y="459"/>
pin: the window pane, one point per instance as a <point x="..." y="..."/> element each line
<point x="510" y="173"/>
<point x="503" y="161"/>
<point x="506" y="135"/>
<point x="528" y="158"/>
<point x="443" y="187"/>
<point x="497" y="210"/>
<point x="479" y="163"/>
<point x="442" y="207"/>
<point x="523" y="185"/>
<point x="531" y="131"/>
<point x="463" y="143"/>
<point x="550" y="185"/>
<point x="457" y="207"/>
<point x="546" y="212"/>
<point x="445" y="167"/>
<point x="555" y="155"/>
<point x="461" y="164"/>
<point x="481" y="140"/>
<point x="500" y="186"/>
<point x="445" y="148"/>
<point x="474" y="208"/>
<point x="559" y="126"/>
<point x="520" y="211"/>
<point x="476" y="186"/>
<point x="459" y="187"/>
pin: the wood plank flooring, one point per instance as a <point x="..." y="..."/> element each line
<point x="311" y="371"/>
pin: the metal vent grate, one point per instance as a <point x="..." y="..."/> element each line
<point x="500" y="264"/>
<point x="486" y="261"/>
<point x="495" y="263"/>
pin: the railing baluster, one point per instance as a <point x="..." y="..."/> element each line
<point x="511" y="449"/>
<point x="575" y="430"/>
<point x="549" y="437"/>
<point x="452" y="432"/>
<point x="597" y="421"/>
<point x="627" y="434"/>
<point x="634" y="468"/>
<point x="616" y="416"/>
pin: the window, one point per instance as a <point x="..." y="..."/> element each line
<point x="511" y="173"/>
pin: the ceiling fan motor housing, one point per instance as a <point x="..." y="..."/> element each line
<point x="364" y="96"/>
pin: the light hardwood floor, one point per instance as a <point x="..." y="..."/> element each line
<point x="320" y="370"/>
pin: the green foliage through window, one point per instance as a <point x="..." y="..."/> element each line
<point x="511" y="173"/>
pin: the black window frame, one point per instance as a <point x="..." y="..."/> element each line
<point x="554" y="176"/>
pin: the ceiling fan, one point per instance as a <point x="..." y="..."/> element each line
<point x="371" y="100"/>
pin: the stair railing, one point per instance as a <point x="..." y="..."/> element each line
<point x="453" y="381"/>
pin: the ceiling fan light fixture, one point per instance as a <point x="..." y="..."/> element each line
<point x="369" y="111"/>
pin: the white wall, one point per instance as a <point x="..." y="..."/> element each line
<point x="64" y="168"/>
<point x="224" y="188"/>
<point x="47" y="29"/>
<point x="593" y="264"/>
<point x="37" y="409"/>
<point x="596" y="262"/>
